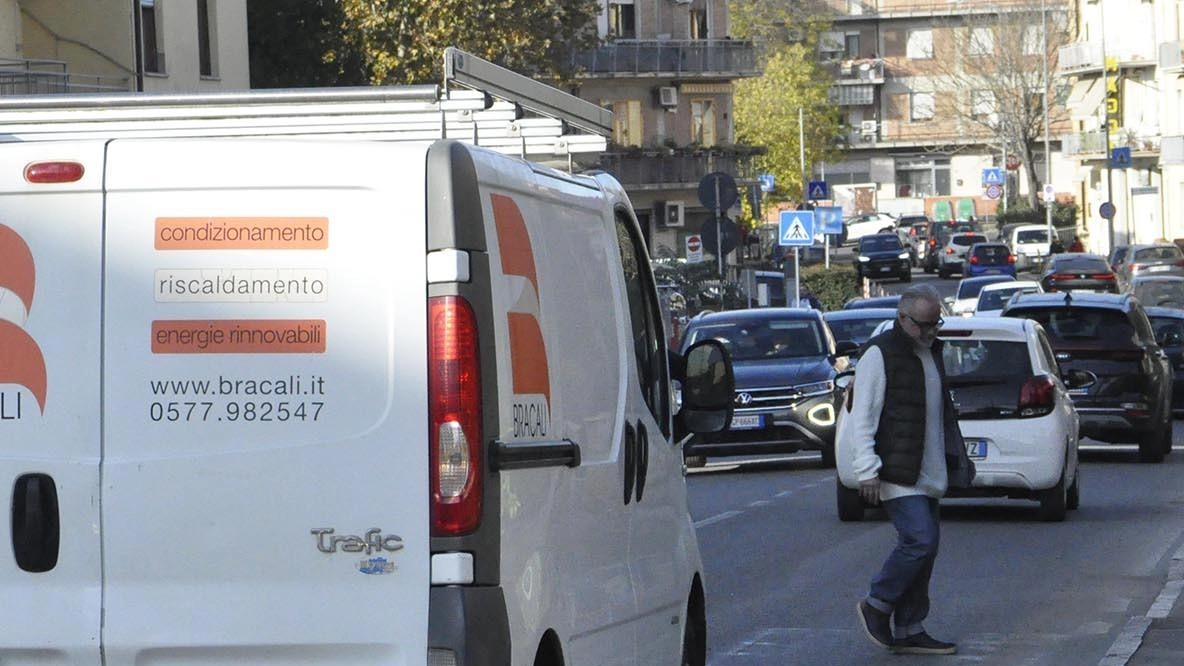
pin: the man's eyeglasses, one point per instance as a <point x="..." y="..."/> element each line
<point x="925" y="325"/>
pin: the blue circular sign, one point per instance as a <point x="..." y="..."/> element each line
<point x="1107" y="210"/>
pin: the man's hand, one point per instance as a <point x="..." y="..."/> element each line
<point x="870" y="491"/>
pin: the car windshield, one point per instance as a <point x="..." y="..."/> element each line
<point x="765" y="339"/>
<point x="1162" y="252"/>
<point x="1031" y="236"/>
<point x="992" y="251"/>
<point x="994" y="299"/>
<point x="1081" y="264"/>
<point x="1075" y="325"/>
<point x="857" y="330"/>
<point x="985" y="375"/>
<point x="1168" y="330"/>
<point x="971" y="288"/>
<point x="879" y="244"/>
<point x="1160" y="292"/>
<point x="967" y="240"/>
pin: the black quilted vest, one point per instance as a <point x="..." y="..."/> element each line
<point x="900" y="437"/>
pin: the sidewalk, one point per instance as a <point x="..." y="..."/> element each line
<point x="1163" y="642"/>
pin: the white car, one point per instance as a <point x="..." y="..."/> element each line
<point x="1015" y="413"/>
<point x="864" y="225"/>
<point x="993" y="297"/>
<point x="965" y="297"/>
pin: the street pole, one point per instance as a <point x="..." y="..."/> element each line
<point x="1047" y="150"/>
<point x="1106" y="125"/>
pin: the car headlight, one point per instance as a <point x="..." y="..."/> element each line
<point x="903" y="255"/>
<point x="863" y="258"/>
<point x="816" y="388"/>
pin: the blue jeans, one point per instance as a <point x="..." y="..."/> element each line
<point x="903" y="583"/>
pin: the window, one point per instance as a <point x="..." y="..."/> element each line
<point x="831" y="43"/>
<point x="981" y="43"/>
<point x="621" y="21"/>
<point x="982" y="103"/>
<point x="1032" y="40"/>
<point x="627" y="123"/>
<point x="150" y="40"/>
<point x="703" y="122"/>
<point x="852" y="40"/>
<point x="698" y="24"/>
<point x="919" y="45"/>
<point x="207" y="65"/>
<point x="921" y="106"/>
<point x="645" y="322"/>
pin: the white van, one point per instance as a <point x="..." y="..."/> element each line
<point x="296" y="397"/>
<point x="1030" y="245"/>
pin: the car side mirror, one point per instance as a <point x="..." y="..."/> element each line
<point x="846" y="348"/>
<point x="708" y="388"/>
<point x="1079" y="379"/>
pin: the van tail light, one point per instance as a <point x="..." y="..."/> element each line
<point x="454" y="416"/>
<point x="1037" y="396"/>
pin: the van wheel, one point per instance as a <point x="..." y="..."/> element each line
<point x="694" y="637"/>
<point x="1151" y="445"/>
<point x="549" y="653"/>
<point x="1054" y="502"/>
<point x="850" y="503"/>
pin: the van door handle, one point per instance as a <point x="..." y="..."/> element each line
<point x="36" y="525"/>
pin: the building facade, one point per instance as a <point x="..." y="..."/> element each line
<point x="927" y="90"/>
<point x="1127" y="140"/>
<point x="665" y="68"/>
<point x="63" y="46"/>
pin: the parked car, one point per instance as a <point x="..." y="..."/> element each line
<point x="889" y="301"/>
<point x="882" y="256"/>
<point x="1077" y="270"/>
<point x="1151" y="259"/>
<point x="1015" y="413"/>
<point x="953" y="253"/>
<point x="858" y="226"/>
<point x="856" y="324"/>
<point x="939" y="233"/>
<point x="989" y="259"/>
<point x="1118" y="256"/>
<point x="1030" y="244"/>
<point x="965" y="295"/>
<point x="1158" y="289"/>
<point x="1168" y="326"/>
<point x="785" y="361"/>
<point x="994" y="296"/>
<point x="1110" y="336"/>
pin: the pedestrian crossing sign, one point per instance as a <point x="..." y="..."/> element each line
<point x="796" y="228"/>
<point x="992" y="176"/>
<point x="817" y="190"/>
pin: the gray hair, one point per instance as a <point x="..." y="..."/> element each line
<point x="918" y="293"/>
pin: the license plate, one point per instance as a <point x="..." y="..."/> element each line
<point x="885" y="269"/>
<point x="747" y="422"/>
<point x="991" y="271"/>
<point x="976" y="449"/>
<point x="1158" y="268"/>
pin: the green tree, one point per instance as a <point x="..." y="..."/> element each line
<point x="766" y="108"/>
<point x="288" y="42"/>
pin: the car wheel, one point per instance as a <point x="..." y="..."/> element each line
<point x="907" y="277"/>
<point x="1151" y="445"/>
<point x="941" y="273"/>
<point x="696" y="461"/>
<point x="694" y="636"/>
<point x="828" y="455"/>
<point x="1054" y="502"/>
<point x="850" y="503"/>
<point x="1073" y="501"/>
<point x="1167" y="436"/>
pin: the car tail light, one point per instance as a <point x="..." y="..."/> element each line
<point x="1011" y="258"/>
<point x="1037" y="396"/>
<point x="974" y="259"/>
<point x="1105" y="276"/>
<point x="454" y="416"/>
<point x="949" y="250"/>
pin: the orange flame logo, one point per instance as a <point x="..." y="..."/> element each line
<point x="21" y="361"/>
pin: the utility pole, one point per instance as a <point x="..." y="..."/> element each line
<point x="1044" y="104"/>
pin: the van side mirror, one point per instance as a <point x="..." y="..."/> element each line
<point x="708" y="388"/>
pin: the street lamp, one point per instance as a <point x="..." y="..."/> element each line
<point x="1044" y="109"/>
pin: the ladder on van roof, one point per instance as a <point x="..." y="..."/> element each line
<point x="489" y="109"/>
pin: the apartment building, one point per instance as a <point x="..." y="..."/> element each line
<point x="65" y="46"/>
<point x="665" y="68"/>
<point x="1127" y="140"/>
<point x="927" y="89"/>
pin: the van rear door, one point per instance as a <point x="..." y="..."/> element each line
<point x="265" y="463"/>
<point x="50" y="278"/>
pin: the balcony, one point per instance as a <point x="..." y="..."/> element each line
<point x="1092" y="144"/>
<point x="52" y="77"/>
<point x="681" y="58"/>
<point x="1171" y="56"/>
<point x="859" y="72"/>
<point x="682" y="167"/>
<point x="1081" y="57"/>
<point x="1173" y="151"/>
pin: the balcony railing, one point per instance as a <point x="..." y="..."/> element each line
<point x="1171" y="56"/>
<point x="51" y="77"/>
<point x="1173" y="150"/>
<point x="1094" y="142"/>
<point x="1087" y="56"/>
<point x="683" y="167"/>
<point x="862" y="71"/>
<point x="683" y="58"/>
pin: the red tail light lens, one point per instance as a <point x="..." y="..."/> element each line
<point x="1105" y="276"/>
<point x="1037" y="397"/>
<point x="54" y="172"/>
<point x="454" y="416"/>
<point x="949" y="250"/>
<point x="1011" y="258"/>
<point x="974" y="259"/>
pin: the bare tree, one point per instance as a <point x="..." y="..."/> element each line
<point x="1000" y="65"/>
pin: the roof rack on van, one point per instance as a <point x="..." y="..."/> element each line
<point x="479" y="102"/>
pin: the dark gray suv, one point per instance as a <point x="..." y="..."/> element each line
<point x="1110" y="336"/>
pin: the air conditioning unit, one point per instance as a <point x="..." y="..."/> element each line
<point x="668" y="96"/>
<point x="867" y="127"/>
<point x="672" y="213"/>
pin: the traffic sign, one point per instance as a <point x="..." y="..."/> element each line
<point x="1120" y="158"/>
<point x="817" y="189"/>
<point x="992" y="176"/>
<point x="1012" y="162"/>
<point x="1107" y="210"/>
<point x="714" y="229"/>
<point x="717" y="191"/>
<point x="1050" y="192"/>
<point x="694" y="249"/>
<point x="767" y="182"/>
<point x="828" y="219"/>
<point x="994" y="191"/>
<point x="796" y="227"/>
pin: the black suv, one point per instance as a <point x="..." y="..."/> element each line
<point x="785" y="361"/>
<point x="1110" y="336"/>
<point x="883" y="256"/>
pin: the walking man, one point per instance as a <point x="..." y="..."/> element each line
<point x="907" y="451"/>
